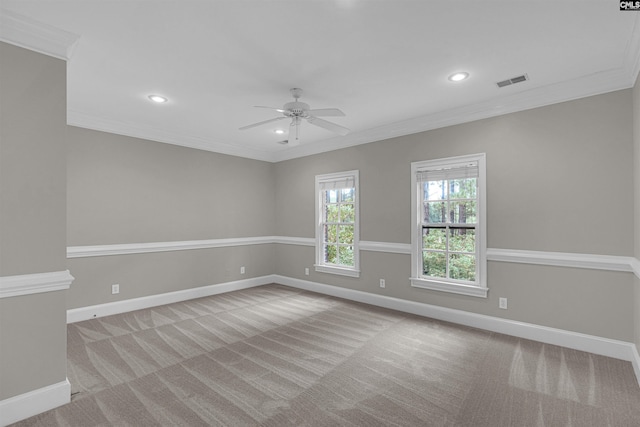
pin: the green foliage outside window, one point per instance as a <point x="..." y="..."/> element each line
<point x="449" y="235"/>
<point x="339" y="218"/>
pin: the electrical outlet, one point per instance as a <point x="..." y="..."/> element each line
<point x="306" y="271"/>
<point x="502" y="303"/>
<point x="242" y="270"/>
<point x="115" y="289"/>
<point x="382" y="283"/>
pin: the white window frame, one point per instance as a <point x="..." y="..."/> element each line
<point x="321" y="265"/>
<point x="479" y="288"/>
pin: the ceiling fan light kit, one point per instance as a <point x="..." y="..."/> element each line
<point x="297" y="110"/>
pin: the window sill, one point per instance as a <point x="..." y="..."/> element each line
<point x="455" y="288"/>
<point x="337" y="270"/>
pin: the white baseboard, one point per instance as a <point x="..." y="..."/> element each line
<point x="32" y="403"/>
<point x="101" y="310"/>
<point x="598" y="345"/>
<point x="635" y="361"/>
<point x="603" y="346"/>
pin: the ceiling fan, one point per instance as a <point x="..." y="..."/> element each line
<point x="297" y="111"/>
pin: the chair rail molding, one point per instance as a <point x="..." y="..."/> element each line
<point x="558" y="259"/>
<point x="25" y="284"/>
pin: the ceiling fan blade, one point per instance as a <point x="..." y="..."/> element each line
<point x="328" y="125"/>
<point x="327" y="112"/>
<point x="261" y="123"/>
<point x="279" y="110"/>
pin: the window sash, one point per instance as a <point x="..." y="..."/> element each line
<point x="337" y="182"/>
<point x="456" y="171"/>
<point x="449" y="169"/>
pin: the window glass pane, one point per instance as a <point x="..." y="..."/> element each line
<point x="434" y="264"/>
<point x="330" y="233"/>
<point x="435" y="190"/>
<point x="462" y="239"/>
<point x="462" y="267"/>
<point x="434" y="238"/>
<point x="331" y="196"/>
<point x="331" y="254"/>
<point x="331" y="213"/>
<point x="347" y="194"/>
<point x="435" y="212"/>
<point x="463" y="212"/>
<point x="347" y="213"/>
<point x="462" y="188"/>
<point x="345" y="234"/>
<point x="346" y="255"/>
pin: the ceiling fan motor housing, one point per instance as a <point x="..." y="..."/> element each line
<point x="295" y="108"/>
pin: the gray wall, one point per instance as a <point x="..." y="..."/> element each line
<point x="32" y="216"/>
<point x="129" y="190"/>
<point x="636" y="168"/>
<point x="555" y="176"/>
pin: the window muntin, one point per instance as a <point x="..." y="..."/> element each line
<point x="448" y="228"/>
<point x="448" y="248"/>
<point x="337" y="232"/>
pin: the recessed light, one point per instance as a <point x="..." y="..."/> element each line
<point x="279" y="131"/>
<point x="157" y="98"/>
<point x="456" y="77"/>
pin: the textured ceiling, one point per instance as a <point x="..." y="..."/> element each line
<point x="384" y="63"/>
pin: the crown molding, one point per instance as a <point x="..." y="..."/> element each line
<point x="582" y="87"/>
<point x="632" y="63"/>
<point x="87" y="121"/>
<point x="25" y="32"/>
<point x="34" y="35"/>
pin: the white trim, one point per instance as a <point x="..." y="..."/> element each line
<point x="25" y="284"/>
<point x="632" y="58"/>
<point x="394" y="248"/>
<point x="101" y="310"/>
<point x="102" y="124"/>
<point x="349" y="272"/>
<point x="635" y="361"/>
<point x="593" y="344"/>
<point x="581" y="87"/>
<point x="26" y="32"/>
<point x="479" y="288"/>
<point x="566" y="259"/>
<point x="143" y="248"/>
<point x="454" y="288"/>
<point x="34" y="35"/>
<point x="560" y="259"/>
<point x="635" y="266"/>
<point x="35" y="402"/>
<point x="301" y="241"/>
<point x="603" y="346"/>
<point x="320" y="265"/>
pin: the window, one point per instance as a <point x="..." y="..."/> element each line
<point x="337" y="228"/>
<point x="448" y="248"/>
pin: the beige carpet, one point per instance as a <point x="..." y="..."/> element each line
<point x="277" y="356"/>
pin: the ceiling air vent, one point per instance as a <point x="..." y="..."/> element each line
<point x="513" y="80"/>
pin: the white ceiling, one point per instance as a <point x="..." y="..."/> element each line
<point x="384" y="63"/>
